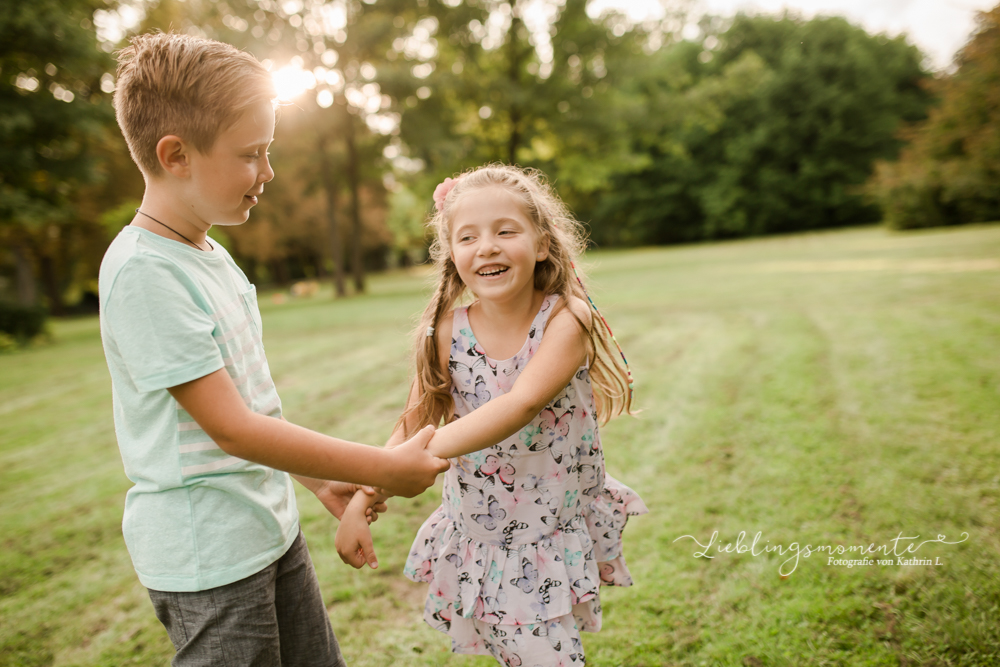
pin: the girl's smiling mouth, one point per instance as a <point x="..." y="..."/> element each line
<point x="492" y="270"/>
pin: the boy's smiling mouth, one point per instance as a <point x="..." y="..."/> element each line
<point x="492" y="270"/>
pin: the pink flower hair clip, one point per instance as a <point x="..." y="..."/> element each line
<point x="442" y="190"/>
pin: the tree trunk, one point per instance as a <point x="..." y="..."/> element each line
<point x="514" y="75"/>
<point x="357" y="265"/>
<point x="51" y="283"/>
<point x="27" y="295"/>
<point x="333" y="232"/>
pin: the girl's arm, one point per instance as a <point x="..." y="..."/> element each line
<point x="563" y="350"/>
<point x="335" y="496"/>
<point x="354" y="535"/>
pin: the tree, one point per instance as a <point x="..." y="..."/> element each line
<point x="506" y="86"/>
<point x="769" y="125"/>
<point x="950" y="171"/>
<point x="337" y="49"/>
<point x="54" y="118"/>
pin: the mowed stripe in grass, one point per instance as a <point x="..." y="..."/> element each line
<point x="838" y="388"/>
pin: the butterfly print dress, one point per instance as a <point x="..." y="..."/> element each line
<point x="529" y="528"/>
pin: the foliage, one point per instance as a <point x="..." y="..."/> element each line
<point x="54" y="115"/>
<point x="768" y="125"/>
<point x="544" y="96"/>
<point x="950" y="172"/>
<point x="759" y="125"/>
<point x="22" y="322"/>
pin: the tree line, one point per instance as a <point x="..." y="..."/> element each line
<point x="754" y="125"/>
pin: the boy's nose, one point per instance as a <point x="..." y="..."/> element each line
<point x="266" y="173"/>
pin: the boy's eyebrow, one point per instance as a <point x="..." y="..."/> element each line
<point x="255" y="144"/>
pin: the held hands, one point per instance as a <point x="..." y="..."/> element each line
<point x="413" y="467"/>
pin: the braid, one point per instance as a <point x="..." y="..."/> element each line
<point x="434" y="384"/>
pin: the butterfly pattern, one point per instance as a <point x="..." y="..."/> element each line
<point x="530" y="528"/>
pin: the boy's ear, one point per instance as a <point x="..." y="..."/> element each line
<point x="172" y="153"/>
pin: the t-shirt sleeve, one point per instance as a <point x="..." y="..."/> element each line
<point x="160" y="325"/>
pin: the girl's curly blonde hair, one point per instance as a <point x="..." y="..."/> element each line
<point x="557" y="274"/>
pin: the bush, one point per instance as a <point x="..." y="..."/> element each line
<point x="949" y="173"/>
<point x="22" y="322"/>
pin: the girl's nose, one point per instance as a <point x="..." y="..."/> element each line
<point x="488" y="246"/>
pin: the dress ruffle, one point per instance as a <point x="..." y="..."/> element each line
<point x="552" y="577"/>
<point x="606" y="516"/>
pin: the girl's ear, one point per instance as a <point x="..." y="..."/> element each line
<point x="542" y="249"/>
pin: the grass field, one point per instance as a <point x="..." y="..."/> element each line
<point x="838" y="388"/>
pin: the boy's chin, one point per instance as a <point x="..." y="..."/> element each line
<point x="233" y="221"/>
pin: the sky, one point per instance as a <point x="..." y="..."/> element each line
<point x="938" y="27"/>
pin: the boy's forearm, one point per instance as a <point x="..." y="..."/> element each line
<point x="309" y="455"/>
<point x="216" y="405"/>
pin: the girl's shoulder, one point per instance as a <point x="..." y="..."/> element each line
<point x="576" y="309"/>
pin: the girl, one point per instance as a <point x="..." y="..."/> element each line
<point x="530" y="525"/>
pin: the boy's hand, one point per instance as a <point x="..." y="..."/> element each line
<point x="413" y="467"/>
<point x="335" y="497"/>
<point x="354" y="537"/>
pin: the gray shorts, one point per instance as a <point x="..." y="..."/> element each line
<point x="273" y="618"/>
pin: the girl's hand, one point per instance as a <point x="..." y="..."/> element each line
<point x="336" y="496"/>
<point x="354" y="537"/>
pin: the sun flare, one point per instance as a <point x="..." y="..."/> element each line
<point x="291" y="81"/>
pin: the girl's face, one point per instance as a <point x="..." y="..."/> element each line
<point x="494" y="245"/>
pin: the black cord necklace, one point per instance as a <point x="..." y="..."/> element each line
<point x="178" y="233"/>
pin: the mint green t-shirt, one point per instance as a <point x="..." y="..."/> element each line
<point x="196" y="517"/>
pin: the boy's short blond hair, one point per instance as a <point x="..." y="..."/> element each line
<point x="187" y="86"/>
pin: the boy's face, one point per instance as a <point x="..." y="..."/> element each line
<point x="226" y="181"/>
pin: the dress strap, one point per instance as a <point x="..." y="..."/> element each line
<point x="544" y="312"/>
<point x="459" y="321"/>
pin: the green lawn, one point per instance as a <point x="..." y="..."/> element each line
<point x="837" y="388"/>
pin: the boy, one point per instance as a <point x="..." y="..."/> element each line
<point x="211" y="522"/>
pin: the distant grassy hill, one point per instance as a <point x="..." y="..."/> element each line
<point x="826" y="389"/>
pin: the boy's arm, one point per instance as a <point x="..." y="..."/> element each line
<point x="562" y="351"/>
<point x="214" y="402"/>
<point x="336" y="495"/>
